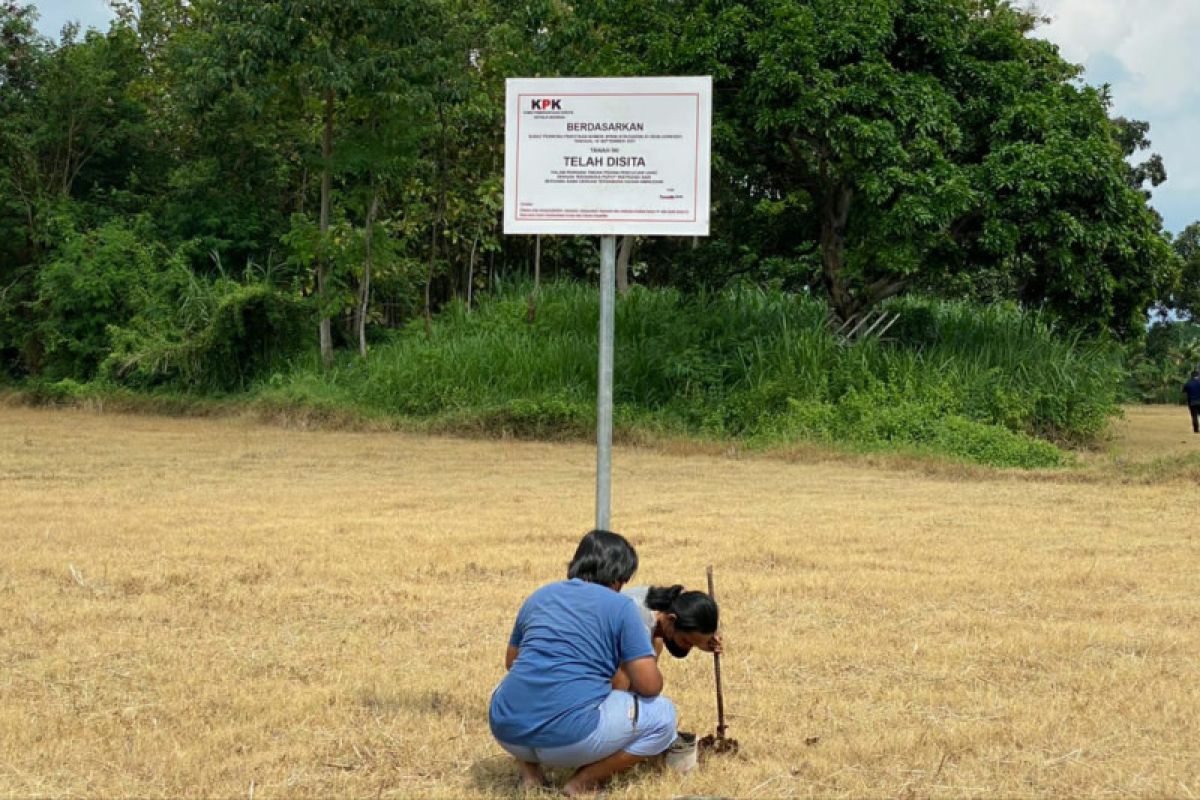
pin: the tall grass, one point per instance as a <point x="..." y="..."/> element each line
<point x="990" y="384"/>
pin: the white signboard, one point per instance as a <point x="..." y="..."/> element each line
<point x="608" y="156"/>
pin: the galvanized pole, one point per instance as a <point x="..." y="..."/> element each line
<point x="604" y="382"/>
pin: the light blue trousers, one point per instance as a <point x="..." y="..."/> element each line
<point x="647" y="733"/>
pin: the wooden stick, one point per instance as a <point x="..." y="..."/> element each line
<point x="717" y="669"/>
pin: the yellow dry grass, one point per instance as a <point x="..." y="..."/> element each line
<point x="221" y="609"/>
<point x="1146" y="433"/>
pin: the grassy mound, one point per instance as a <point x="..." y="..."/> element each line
<point x="991" y="384"/>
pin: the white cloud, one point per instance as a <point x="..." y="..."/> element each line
<point x="1083" y="27"/>
<point x="1147" y="50"/>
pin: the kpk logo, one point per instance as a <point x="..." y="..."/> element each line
<point x="546" y="104"/>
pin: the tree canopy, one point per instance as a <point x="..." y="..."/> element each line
<point x="345" y="158"/>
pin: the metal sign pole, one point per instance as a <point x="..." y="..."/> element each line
<point x="558" y="181"/>
<point x="604" y="382"/>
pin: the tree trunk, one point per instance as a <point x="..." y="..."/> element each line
<point x="624" y="254"/>
<point x="429" y="280"/>
<point x="471" y="273"/>
<point x="439" y="215"/>
<point x="834" y="216"/>
<point x="300" y="201"/>
<point x="364" y="294"/>
<point x="326" y="332"/>
<point x="882" y="289"/>
<point x="491" y="266"/>
<point x="27" y="189"/>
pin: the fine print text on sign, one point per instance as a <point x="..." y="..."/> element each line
<point x="608" y="156"/>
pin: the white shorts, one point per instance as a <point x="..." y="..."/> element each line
<point x="640" y="726"/>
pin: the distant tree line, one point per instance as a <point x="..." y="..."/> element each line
<point x="213" y="179"/>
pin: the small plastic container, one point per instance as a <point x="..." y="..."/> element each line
<point x="683" y="754"/>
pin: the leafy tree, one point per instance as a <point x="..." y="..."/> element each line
<point x="1133" y="136"/>
<point x="22" y="53"/>
<point x="1161" y="361"/>
<point x="339" y="69"/>
<point x="866" y="148"/>
<point x="90" y="286"/>
<point x="22" y="58"/>
<point x="1061" y="223"/>
<point x="863" y="132"/>
<point x="1185" y="297"/>
<point x="462" y="179"/>
<point x="72" y="128"/>
<point x="75" y="147"/>
<point x="239" y="170"/>
<point x="352" y="150"/>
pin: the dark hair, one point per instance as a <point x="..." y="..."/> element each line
<point x="695" y="612"/>
<point x="603" y="557"/>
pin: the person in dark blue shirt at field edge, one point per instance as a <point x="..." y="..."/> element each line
<point x="556" y="706"/>
<point x="1192" y="390"/>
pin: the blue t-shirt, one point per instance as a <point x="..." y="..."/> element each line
<point x="571" y="637"/>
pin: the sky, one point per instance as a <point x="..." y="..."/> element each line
<point x="55" y="13"/>
<point x="1145" y="49"/>
<point x="1149" y="52"/>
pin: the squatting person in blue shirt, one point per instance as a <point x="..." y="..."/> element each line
<point x="1192" y="390"/>
<point x="556" y="706"/>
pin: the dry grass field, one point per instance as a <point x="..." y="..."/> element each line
<point x="1149" y="432"/>
<point x="215" y="608"/>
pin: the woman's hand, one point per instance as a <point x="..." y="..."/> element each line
<point x="714" y="645"/>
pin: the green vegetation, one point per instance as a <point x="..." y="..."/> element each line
<point x="1160" y="363"/>
<point x="196" y="198"/>
<point x="762" y="367"/>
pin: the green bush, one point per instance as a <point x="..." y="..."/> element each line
<point x="17" y="324"/>
<point x="66" y="390"/>
<point x="924" y="425"/>
<point x="544" y="418"/>
<point x="988" y="444"/>
<point x="988" y="384"/>
<point x="212" y="334"/>
<point x="95" y="281"/>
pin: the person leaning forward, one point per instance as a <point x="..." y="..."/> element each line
<point x="556" y="706"/>
<point x="1192" y="390"/>
<point x="677" y="619"/>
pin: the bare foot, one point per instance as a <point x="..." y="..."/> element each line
<point x="588" y="778"/>
<point x="532" y="776"/>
